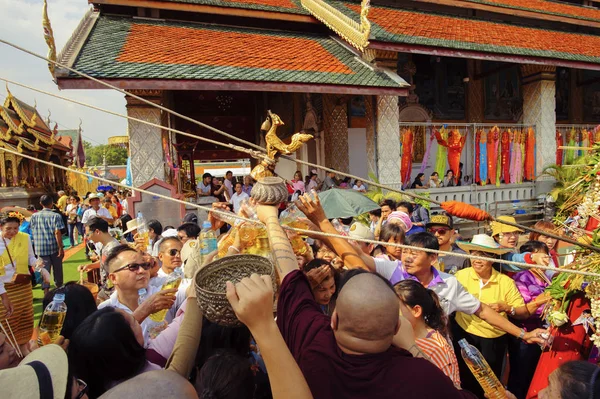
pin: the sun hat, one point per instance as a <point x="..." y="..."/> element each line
<point x="359" y="230"/>
<point x="498" y="228"/>
<point x="169" y="233"/>
<point x="483" y="243"/>
<point x="402" y="217"/>
<point x="49" y="375"/>
<point x="131" y="225"/>
<point x="17" y="211"/>
<point x="440" y="220"/>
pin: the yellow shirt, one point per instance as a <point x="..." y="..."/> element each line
<point x="113" y="212"/>
<point x="62" y="203"/>
<point x="499" y="287"/>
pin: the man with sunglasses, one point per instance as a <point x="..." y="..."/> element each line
<point x="129" y="271"/>
<point x="442" y="227"/>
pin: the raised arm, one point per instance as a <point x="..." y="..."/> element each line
<point x="314" y="212"/>
<point x="252" y="302"/>
<point x="284" y="258"/>
<point x="488" y="314"/>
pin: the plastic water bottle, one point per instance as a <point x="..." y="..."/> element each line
<point x="142" y="295"/>
<point x="52" y="320"/>
<point x="142" y="230"/>
<point x="173" y="280"/>
<point x="208" y="241"/>
<point x="481" y="370"/>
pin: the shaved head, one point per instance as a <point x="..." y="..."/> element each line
<point x="153" y="384"/>
<point x="366" y="314"/>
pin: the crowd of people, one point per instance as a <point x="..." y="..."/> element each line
<point x="353" y="319"/>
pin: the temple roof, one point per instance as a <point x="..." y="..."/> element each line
<point x="545" y="7"/>
<point x="11" y="118"/>
<point x="4" y="130"/>
<point x="412" y="28"/>
<point x="27" y="114"/>
<point x="206" y="57"/>
<point x="282" y="6"/>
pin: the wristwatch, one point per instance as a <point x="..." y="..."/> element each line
<point x="522" y="334"/>
<point x="513" y="311"/>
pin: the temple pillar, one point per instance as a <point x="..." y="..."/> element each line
<point x="388" y="140"/>
<point x="2" y="170"/>
<point x="335" y="127"/>
<point x="475" y="93"/>
<point x="370" y="134"/>
<point x="145" y="142"/>
<point x="539" y="109"/>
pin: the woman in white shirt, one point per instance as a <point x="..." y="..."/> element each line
<point x="359" y="186"/>
<point x="16" y="254"/>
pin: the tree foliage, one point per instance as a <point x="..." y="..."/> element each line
<point x="114" y="155"/>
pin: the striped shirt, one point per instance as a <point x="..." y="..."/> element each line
<point x="43" y="226"/>
<point x="441" y="354"/>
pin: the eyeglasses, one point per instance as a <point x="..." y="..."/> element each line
<point x="173" y="252"/>
<point x="83" y="388"/>
<point x="134" y="267"/>
<point x="441" y="231"/>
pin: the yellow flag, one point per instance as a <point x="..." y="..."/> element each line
<point x="49" y="37"/>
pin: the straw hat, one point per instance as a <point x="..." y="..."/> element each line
<point x="210" y="285"/>
<point x="131" y="225"/>
<point x="483" y="243"/>
<point x="17" y="211"/>
<point x="23" y="382"/>
<point x="498" y="228"/>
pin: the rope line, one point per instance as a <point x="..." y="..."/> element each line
<point x="302" y="231"/>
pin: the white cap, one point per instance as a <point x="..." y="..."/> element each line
<point x="359" y="230"/>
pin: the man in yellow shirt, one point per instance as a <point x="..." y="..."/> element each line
<point x="62" y="201"/>
<point x="110" y="207"/>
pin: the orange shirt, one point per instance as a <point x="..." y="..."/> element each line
<point x="441" y="354"/>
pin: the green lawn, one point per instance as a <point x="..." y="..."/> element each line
<point x="70" y="274"/>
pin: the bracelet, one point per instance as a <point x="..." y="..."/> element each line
<point x="522" y="334"/>
<point x="234" y="248"/>
<point x="513" y="311"/>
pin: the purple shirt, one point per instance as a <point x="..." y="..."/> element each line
<point x="530" y="286"/>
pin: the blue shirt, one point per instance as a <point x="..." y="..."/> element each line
<point x="43" y="225"/>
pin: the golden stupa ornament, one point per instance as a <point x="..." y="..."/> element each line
<point x="276" y="147"/>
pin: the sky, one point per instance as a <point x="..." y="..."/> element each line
<point x="21" y="24"/>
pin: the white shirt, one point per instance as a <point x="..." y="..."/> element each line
<point x="147" y="324"/>
<point x="236" y="200"/>
<point x="228" y="186"/>
<point x="10" y="269"/>
<point x="102" y="212"/>
<point x="359" y="188"/>
<point x="453" y="296"/>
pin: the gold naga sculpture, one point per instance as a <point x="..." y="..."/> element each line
<point x="276" y="147"/>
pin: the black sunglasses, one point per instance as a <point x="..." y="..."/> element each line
<point x="83" y="388"/>
<point x="134" y="267"/>
<point x="173" y="252"/>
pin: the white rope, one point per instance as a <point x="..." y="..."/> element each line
<point x="303" y="231"/>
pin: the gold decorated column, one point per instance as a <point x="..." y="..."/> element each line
<point x="335" y="132"/>
<point x="2" y="170"/>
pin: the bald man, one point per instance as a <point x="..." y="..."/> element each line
<point x="153" y="384"/>
<point x="350" y="354"/>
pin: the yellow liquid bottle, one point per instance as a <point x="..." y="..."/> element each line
<point x="173" y="281"/>
<point x="261" y="248"/>
<point x="227" y="241"/>
<point x="481" y="370"/>
<point x="52" y="320"/>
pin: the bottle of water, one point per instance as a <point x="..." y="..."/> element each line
<point x="52" y="320"/>
<point x="142" y="295"/>
<point x="208" y="241"/>
<point x="481" y="370"/>
<point x="173" y="280"/>
<point x="142" y="230"/>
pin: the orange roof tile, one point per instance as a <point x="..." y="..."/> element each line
<point x="411" y="27"/>
<point x="226" y="48"/>
<point x="271" y="3"/>
<point x="547" y="7"/>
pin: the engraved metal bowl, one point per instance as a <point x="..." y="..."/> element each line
<point x="270" y="191"/>
<point x="210" y="285"/>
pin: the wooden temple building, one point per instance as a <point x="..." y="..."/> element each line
<point x="23" y="130"/>
<point x="353" y="73"/>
